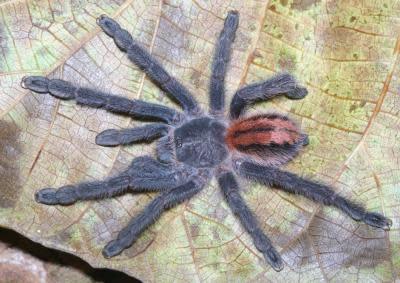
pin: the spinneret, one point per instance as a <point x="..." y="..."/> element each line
<point x="193" y="147"/>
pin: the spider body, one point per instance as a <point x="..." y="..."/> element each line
<point x="194" y="147"/>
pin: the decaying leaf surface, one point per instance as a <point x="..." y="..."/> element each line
<point x="345" y="52"/>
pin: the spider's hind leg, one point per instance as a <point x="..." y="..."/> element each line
<point x="127" y="236"/>
<point x="144" y="174"/>
<point x="84" y="191"/>
<point x="230" y="188"/>
<point x="319" y="193"/>
<point x="306" y="139"/>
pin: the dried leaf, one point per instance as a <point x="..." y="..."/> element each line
<point x="345" y="52"/>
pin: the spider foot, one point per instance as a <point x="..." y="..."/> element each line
<point x="46" y="196"/>
<point x="108" y="25"/>
<point x="109" y="137"/>
<point x="306" y="140"/>
<point x="274" y="259"/>
<point x="377" y="220"/>
<point x="112" y="249"/>
<point x="297" y="93"/>
<point x="64" y="195"/>
<point x="58" y="88"/>
<point x="36" y="83"/>
<point x="121" y="37"/>
<point x="232" y="19"/>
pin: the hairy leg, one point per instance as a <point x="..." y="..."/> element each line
<point x="147" y="133"/>
<point x="279" y="84"/>
<point x="319" y="193"/>
<point x="230" y="189"/>
<point x="165" y="149"/>
<point x="149" y="173"/>
<point x="144" y="173"/>
<point x="220" y="62"/>
<point x="147" y="63"/>
<point x="84" y="191"/>
<point x="93" y="98"/>
<point x="148" y="216"/>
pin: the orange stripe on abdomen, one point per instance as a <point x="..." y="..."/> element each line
<point x="263" y="130"/>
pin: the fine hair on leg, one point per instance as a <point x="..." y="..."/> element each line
<point x="238" y="206"/>
<point x="97" y="99"/>
<point x="144" y="174"/>
<point x="150" y="174"/>
<point x="84" y="191"/>
<point x="279" y="84"/>
<point x="112" y="137"/>
<point x="220" y="62"/>
<point x="148" y="64"/>
<point x="148" y="216"/>
<point x="166" y="149"/>
<point x="319" y="193"/>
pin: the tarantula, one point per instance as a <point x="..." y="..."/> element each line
<point x="194" y="146"/>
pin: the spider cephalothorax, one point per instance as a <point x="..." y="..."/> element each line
<point x="193" y="146"/>
<point x="200" y="143"/>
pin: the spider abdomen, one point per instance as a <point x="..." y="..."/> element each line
<point x="265" y="135"/>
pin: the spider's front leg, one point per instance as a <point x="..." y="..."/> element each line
<point x="144" y="173"/>
<point x="139" y="56"/>
<point x="220" y="63"/>
<point x="97" y="99"/>
<point x="319" y="193"/>
<point x="149" y="215"/>
<point x="230" y="189"/>
<point x="279" y="84"/>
